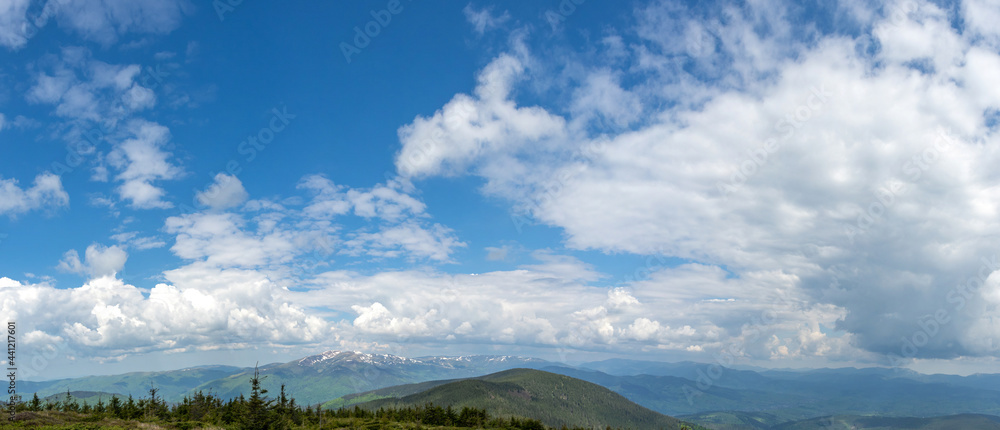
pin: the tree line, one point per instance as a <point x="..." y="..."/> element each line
<point x="262" y="412"/>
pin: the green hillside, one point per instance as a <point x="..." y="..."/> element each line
<point x="80" y="397"/>
<point x="395" y="391"/>
<point x="555" y="400"/>
<point x="172" y="385"/>
<point x="317" y="383"/>
<point x="332" y="374"/>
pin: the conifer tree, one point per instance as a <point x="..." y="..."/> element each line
<point x="258" y="406"/>
<point x="36" y="403"/>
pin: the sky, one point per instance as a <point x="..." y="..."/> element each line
<point x="771" y="183"/>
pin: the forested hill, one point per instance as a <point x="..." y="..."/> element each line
<point x="554" y="399"/>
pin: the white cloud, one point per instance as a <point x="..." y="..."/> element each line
<point x="85" y="89"/>
<point x="140" y="160"/>
<point x="97" y="101"/>
<point x="105" y="21"/>
<point x="99" y="261"/>
<point x="806" y="183"/>
<point x="563" y="267"/>
<point x="106" y="317"/>
<point x="497" y="253"/>
<point x="484" y="19"/>
<point x="528" y="306"/>
<point x="222" y="239"/>
<point x="267" y="234"/>
<point x="19" y="121"/>
<point x="807" y="163"/>
<point x="13" y="22"/>
<point x="46" y="192"/>
<point x="102" y="21"/>
<point x="406" y="239"/>
<point x="140" y="243"/>
<point x="602" y="95"/>
<point x="225" y="192"/>
<point x="620" y="297"/>
<point x="920" y="30"/>
<point x="468" y="129"/>
<point x="386" y="202"/>
<point x="980" y="17"/>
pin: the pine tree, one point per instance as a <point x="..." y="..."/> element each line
<point x="153" y="407"/>
<point x="36" y="403"/>
<point x="70" y="405"/>
<point x="258" y="407"/>
<point x="130" y="411"/>
<point x="99" y="407"/>
<point x="116" y="407"/>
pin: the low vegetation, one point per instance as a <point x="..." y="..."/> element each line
<point x="556" y="400"/>
<point x="258" y="411"/>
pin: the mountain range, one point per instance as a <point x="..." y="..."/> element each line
<point x="693" y="391"/>
<point x="556" y="400"/>
<point x="313" y="379"/>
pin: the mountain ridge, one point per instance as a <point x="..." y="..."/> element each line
<point x="556" y="400"/>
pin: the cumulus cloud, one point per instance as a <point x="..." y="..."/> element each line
<point x="396" y="228"/>
<point x="854" y="173"/>
<point x="97" y="102"/>
<point x="823" y="195"/>
<point x="223" y="239"/>
<point x="386" y="202"/>
<point x="46" y="192"/>
<point x="225" y="192"/>
<point x="978" y="15"/>
<point x="469" y="128"/>
<point x="549" y="307"/>
<point x="84" y="89"/>
<point x="141" y="159"/>
<point x="106" y="317"/>
<point x="99" y="261"/>
<point x="385" y="222"/>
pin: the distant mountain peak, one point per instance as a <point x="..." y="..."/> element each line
<point x="483" y="358"/>
<point x="336" y="357"/>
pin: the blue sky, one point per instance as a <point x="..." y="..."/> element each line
<point x="764" y="183"/>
